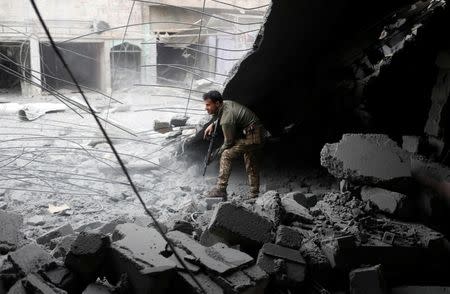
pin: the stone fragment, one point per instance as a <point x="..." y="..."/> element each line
<point x="218" y="258"/>
<point x="30" y="258"/>
<point x="86" y="256"/>
<point x="137" y="252"/>
<point x="366" y="158"/>
<point x="288" y="237"/>
<point x="236" y="282"/>
<point x="10" y="235"/>
<point x="293" y="264"/>
<point x="187" y="284"/>
<point x="367" y="280"/>
<point x="61" y="246"/>
<point x="161" y="126"/>
<point x="89" y="226"/>
<point x="211" y="202"/>
<point x="295" y="211"/>
<point x="56" y="276"/>
<point x="178" y="121"/>
<point x="182" y="226"/>
<point x="385" y="200"/>
<point x="208" y="239"/>
<point x="17" y="288"/>
<point x="109" y="228"/>
<point x="269" y="206"/>
<point x="317" y="261"/>
<point x="59" y="232"/>
<point x="239" y="225"/>
<point x="33" y="283"/>
<point x="305" y="199"/>
<point x="36" y="220"/>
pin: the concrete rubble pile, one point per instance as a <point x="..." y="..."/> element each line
<point x="362" y="239"/>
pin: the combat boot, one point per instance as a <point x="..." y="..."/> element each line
<point x="217" y="193"/>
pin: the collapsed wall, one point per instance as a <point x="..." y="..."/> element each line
<point x="340" y="69"/>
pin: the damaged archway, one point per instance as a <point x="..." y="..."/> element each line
<point x="125" y="65"/>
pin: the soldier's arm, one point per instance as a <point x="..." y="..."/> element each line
<point x="229" y="131"/>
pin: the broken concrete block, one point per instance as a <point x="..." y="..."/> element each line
<point x="36" y="220"/>
<point x="385" y="200"/>
<point x="307" y="200"/>
<point x="96" y="289"/>
<point x="89" y="226"/>
<point x="109" y="228"/>
<point x="294" y="266"/>
<point x="239" y="225"/>
<point x="61" y="246"/>
<point x="218" y="258"/>
<point x="182" y="226"/>
<point x="269" y="206"/>
<point x="367" y="280"/>
<point x="288" y="237"/>
<point x="348" y="241"/>
<point x="136" y="252"/>
<point x="318" y="263"/>
<point x="59" y="232"/>
<point x="208" y="239"/>
<point x="420" y="290"/>
<point x="295" y="211"/>
<point x="259" y="278"/>
<point x="86" y="255"/>
<point x="236" y="282"/>
<point x="161" y="127"/>
<point x="17" y="288"/>
<point x="147" y="222"/>
<point x="211" y="202"/>
<point x="56" y="276"/>
<point x="35" y="284"/>
<point x="30" y="258"/>
<point x="185" y="284"/>
<point x="8" y="273"/>
<point x="411" y="143"/>
<point x="178" y="121"/>
<point x="10" y="235"/>
<point x="367" y="158"/>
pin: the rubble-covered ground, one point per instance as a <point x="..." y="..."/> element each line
<point x="70" y="221"/>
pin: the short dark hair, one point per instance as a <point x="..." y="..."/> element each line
<point x="214" y="95"/>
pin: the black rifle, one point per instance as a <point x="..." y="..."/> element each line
<point x="208" y="158"/>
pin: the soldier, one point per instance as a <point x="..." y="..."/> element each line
<point x="243" y="135"/>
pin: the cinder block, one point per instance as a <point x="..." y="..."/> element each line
<point x="30" y="258"/>
<point x="239" y="225"/>
<point x="367" y="280"/>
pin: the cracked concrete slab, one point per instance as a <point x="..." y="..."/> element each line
<point x="366" y="158"/>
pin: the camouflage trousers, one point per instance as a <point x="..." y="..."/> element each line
<point x="251" y="158"/>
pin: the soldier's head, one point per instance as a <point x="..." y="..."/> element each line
<point x="213" y="101"/>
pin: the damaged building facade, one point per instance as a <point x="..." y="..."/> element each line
<point x="161" y="43"/>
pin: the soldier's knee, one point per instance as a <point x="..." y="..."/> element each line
<point x="226" y="154"/>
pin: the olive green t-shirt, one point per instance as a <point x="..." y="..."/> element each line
<point x="234" y="118"/>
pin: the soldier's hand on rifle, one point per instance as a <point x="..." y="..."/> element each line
<point x="209" y="130"/>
